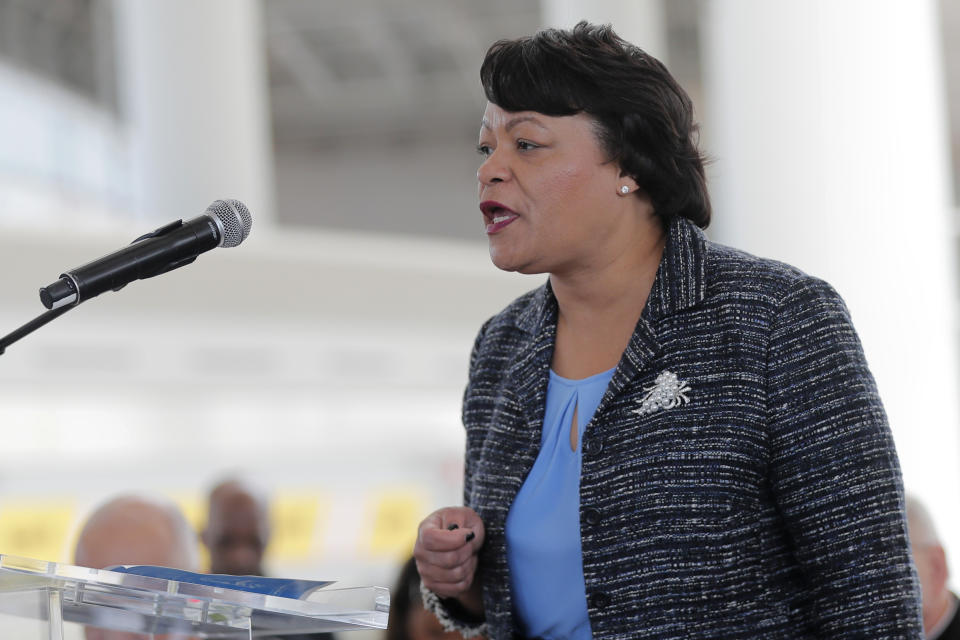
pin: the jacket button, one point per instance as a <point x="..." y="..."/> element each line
<point x="592" y="446"/>
<point x="599" y="600"/>
<point x="591" y="516"/>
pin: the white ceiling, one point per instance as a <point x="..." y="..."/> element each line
<point x="378" y="68"/>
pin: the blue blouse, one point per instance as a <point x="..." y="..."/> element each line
<point x="543" y="525"/>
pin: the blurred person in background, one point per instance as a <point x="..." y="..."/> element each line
<point x="238" y="531"/>
<point x="670" y="438"/>
<point x="408" y="619"/>
<point x="238" y="528"/>
<point x="940" y="619"/>
<point x="136" y="530"/>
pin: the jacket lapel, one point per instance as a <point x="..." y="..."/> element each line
<point x="680" y="283"/>
<point x="530" y="373"/>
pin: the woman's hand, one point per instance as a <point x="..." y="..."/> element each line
<point x="448" y="541"/>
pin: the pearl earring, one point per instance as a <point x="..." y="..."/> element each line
<point x="624" y="189"/>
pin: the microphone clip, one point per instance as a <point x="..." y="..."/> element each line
<point x="162" y="231"/>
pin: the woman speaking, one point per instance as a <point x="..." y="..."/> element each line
<point x="670" y="438"/>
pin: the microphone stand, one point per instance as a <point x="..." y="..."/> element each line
<point x="32" y="326"/>
<point x="53" y="314"/>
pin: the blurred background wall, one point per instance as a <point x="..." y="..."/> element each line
<point x="326" y="356"/>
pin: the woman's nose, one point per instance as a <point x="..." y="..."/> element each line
<point x="493" y="169"/>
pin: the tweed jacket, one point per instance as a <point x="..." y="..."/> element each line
<point x="756" y="494"/>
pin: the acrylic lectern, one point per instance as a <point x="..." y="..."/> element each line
<point x="51" y="601"/>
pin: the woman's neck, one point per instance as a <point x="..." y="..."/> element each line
<point x="616" y="284"/>
<point x="599" y="305"/>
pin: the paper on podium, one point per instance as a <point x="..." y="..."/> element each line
<point x="156" y="600"/>
<point x="282" y="587"/>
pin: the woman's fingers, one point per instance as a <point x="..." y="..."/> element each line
<point x="446" y="550"/>
<point x="450" y="583"/>
<point x="445" y="559"/>
<point x="440" y="540"/>
<point x="451" y="528"/>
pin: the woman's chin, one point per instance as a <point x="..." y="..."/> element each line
<point x="501" y="260"/>
<point x="515" y="266"/>
<point x="506" y="261"/>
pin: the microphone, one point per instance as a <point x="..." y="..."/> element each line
<point x="225" y="223"/>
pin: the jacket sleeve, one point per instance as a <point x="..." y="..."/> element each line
<point x="451" y="616"/>
<point x="834" y="472"/>
<point x="469" y="462"/>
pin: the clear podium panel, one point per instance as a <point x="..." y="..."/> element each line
<point x="25" y="615"/>
<point x="40" y="599"/>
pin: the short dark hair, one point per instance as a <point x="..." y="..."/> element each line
<point x="645" y="118"/>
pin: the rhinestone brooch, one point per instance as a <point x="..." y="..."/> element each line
<point x="667" y="392"/>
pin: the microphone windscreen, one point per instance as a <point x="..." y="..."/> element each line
<point x="235" y="219"/>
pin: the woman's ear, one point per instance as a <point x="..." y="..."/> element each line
<point x="627" y="185"/>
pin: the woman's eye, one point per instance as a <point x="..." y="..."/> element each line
<point x="526" y="145"/>
<point x="484" y="150"/>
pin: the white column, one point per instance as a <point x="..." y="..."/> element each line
<point x="638" y="21"/>
<point x="192" y="81"/>
<point x="830" y="143"/>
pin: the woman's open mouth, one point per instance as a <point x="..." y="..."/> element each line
<point x="497" y="215"/>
